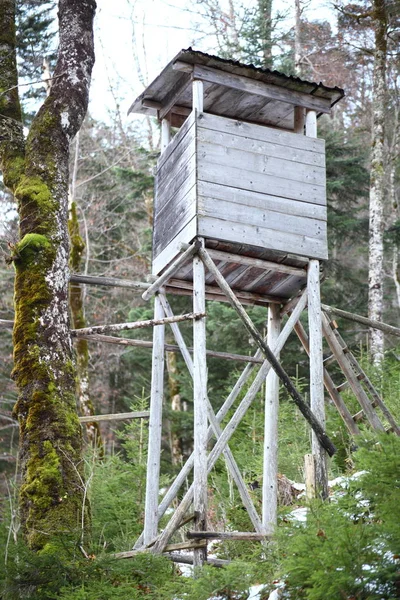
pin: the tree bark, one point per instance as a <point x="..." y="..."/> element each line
<point x="377" y="182"/>
<point x="52" y="496"/>
<point x="265" y="10"/>
<point x="297" y="38"/>
<point x="85" y="403"/>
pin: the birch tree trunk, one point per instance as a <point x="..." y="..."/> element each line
<point x="377" y="182"/>
<point x="52" y="496"/>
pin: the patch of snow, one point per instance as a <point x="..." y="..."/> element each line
<point x="298" y="486"/>
<point x="255" y="592"/>
<point x="298" y="514"/>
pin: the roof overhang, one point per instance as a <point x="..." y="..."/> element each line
<point x="232" y="89"/>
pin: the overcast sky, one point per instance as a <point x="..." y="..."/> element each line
<point x="135" y="39"/>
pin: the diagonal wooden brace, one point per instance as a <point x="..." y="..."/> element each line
<point x="230" y="428"/>
<point x="283" y="376"/>
<point x="170" y="271"/>
<point x="230" y="460"/>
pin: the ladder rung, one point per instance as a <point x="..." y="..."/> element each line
<point x="360" y="415"/>
<point x="343" y="386"/>
<point x="329" y="360"/>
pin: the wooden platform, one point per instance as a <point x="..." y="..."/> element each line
<point x="258" y="276"/>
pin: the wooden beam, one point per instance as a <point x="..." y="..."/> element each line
<point x="169" y="272"/>
<point x="155" y="425"/>
<point x="109" y="339"/>
<point x="283" y="376"/>
<point x="215" y="292"/>
<point x="362" y="320"/>
<point x="143" y="414"/>
<point x="317" y="403"/>
<point x="310" y="476"/>
<point x="258" y="88"/>
<point x="86" y="331"/>
<point x="108" y="282"/>
<point x="256" y="262"/>
<point x="156" y="106"/>
<point x="299" y="119"/>
<point x="173" y="96"/>
<point x="270" y="459"/>
<point x="187" y="559"/>
<point x="249" y="536"/>
<point x="189" y="545"/>
<point x="200" y="423"/>
<point x="230" y="461"/>
<point x="311" y="123"/>
<point x="165" y="134"/>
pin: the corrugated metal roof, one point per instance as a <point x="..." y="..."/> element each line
<point x="170" y="78"/>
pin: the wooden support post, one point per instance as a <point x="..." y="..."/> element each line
<point x="311" y="123"/>
<point x="299" y="119"/>
<point x="310" y="476"/>
<point x="155" y="423"/>
<point x="316" y="375"/>
<point x="200" y="408"/>
<point x="165" y="134"/>
<point x="270" y="471"/>
<point x="198" y="95"/>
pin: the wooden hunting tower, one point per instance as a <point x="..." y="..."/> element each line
<point x="239" y="216"/>
<point x="239" y="172"/>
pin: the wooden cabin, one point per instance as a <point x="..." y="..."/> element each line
<point x="244" y="171"/>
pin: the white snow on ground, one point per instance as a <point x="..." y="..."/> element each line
<point x="298" y="514"/>
<point x="255" y="592"/>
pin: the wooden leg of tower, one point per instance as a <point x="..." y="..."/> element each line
<point x="317" y="375"/>
<point x="200" y="408"/>
<point x="155" y="423"/>
<point x="270" y="471"/>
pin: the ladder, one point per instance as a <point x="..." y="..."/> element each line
<point x="356" y="378"/>
<point x="359" y="382"/>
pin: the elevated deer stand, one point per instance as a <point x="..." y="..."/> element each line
<point x="239" y="216"/>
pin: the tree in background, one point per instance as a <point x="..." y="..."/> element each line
<point x="52" y="495"/>
<point x="377" y="180"/>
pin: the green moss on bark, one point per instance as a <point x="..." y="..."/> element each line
<point x="51" y="492"/>
<point x="78" y="321"/>
<point x="36" y="205"/>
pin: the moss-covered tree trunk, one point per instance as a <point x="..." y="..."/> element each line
<point x="52" y="496"/>
<point x="78" y="321"/>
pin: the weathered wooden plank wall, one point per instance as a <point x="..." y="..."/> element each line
<point x="238" y="182"/>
